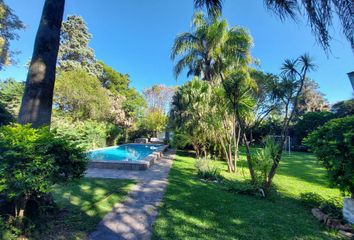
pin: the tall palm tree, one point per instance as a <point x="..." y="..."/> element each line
<point x="205" y="50"/>
<point x="36" y="107"/>
<point x="319" y="14"/>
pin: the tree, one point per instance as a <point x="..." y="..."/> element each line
<point x="309" y="122"/>
<point x="239" y="88"/>
<point x="74" y="51"/>
<point x="319" y="15"/>
<point x="225" y="132"/>
<point x="267" y="102"/>
<point x="114" y="81"/>
<point x="126" y="103"/>
<point x="159" y="97"/>
<point x="5" y="116"/>
<point x="11" y="92"/>
<point x="205" y="50"/>
<point x="155" y="121"/>
<point x="311" y="99"/>
<point x="9" y="24"/>
<point x="189" y="109"/>
<point x="36" y="106"/>
<point x="214" y="51"/>
<point x="80" y="95"/>
<point x="294" y="74"/>
<point x="343" y="108"/>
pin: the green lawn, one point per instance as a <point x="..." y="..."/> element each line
<point x="83" y="204"/>
<point x="193" y="209"/>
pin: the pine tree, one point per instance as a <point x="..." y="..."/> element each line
<point x="74" y="51"/>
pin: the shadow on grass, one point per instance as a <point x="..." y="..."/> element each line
<point x="193" y="209"/>
<point x="82" y="206"/>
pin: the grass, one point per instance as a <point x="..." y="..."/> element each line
<point x="82" y="206"/>
<point x="193" y="209"/>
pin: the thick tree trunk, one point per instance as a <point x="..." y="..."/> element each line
<point x="36" y="106"/>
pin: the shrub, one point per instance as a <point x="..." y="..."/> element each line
<point x="333" y="145"/>
<point x="180" y="140"/>
<point x="332" y="207"/>
<point x="207" y="170"/>
<point x="245" y="188"/>
<point x="32" y="160"/>
<point x="311" y="200"/>
<point x="84" y="134"/>
<point x="7" y="231"/>
<point x="263" y="160"/>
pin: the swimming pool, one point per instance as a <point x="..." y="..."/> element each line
<point x="125" y="152"/>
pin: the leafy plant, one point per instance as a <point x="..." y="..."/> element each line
<point x="87" y="134"/>
<point x="263" y="160"/>
<point x="32" y="160"/>
<point x="332" y="207"/>
<point x="311" y="200"/>
<point x="8" y="231"/>
<point x="333" y="145"/>
<point x="207" y="170"/>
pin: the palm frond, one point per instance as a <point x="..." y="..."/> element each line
<point x="183" y="42"/>
<point x="319" y="15"/>
<point x="307" y="62"/>
<point x="199" y="20"/>
<point x="345" y="11"/>
<point x="283" y="8"/>
<point x="213" y="7"/>
<point x="289" y="68"/>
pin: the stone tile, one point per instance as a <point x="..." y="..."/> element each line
<point x="133" y="218"/>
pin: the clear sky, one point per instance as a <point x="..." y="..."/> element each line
<point x="135" y="37"/>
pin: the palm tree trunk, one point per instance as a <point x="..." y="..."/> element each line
<point x="36" y="106"/>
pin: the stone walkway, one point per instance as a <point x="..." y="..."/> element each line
<point x="133" y="218"/>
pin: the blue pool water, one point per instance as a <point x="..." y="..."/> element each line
<point x="131" y="152"/>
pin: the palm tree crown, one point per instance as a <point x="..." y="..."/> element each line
<point x="209" y="47"/>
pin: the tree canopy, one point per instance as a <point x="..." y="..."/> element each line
<point x="9" y="25"/>
<point x="80" y="95"/>
<point x="210" y="47"/>
<point x="74" y="51"/>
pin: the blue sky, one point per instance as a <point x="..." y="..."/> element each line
<point x="135" y="37"/>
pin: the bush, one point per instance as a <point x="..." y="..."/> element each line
<point x="7" y="231"/>
<point x="263" y="160"/>
<point x="207" y="170"/>
<point x="32" y="160"/>
<point x="245" y="188"/>
<point x="180" y="140"/>
<point x="333" y="145"/>
<point x="84" y="134"/>
<point x="311" y="200"/>
<point x="332" y="207"/>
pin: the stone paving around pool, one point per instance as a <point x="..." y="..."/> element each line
<point x="133" y="218"/>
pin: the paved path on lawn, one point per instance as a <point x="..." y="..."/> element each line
<point x="133" y="218"/>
